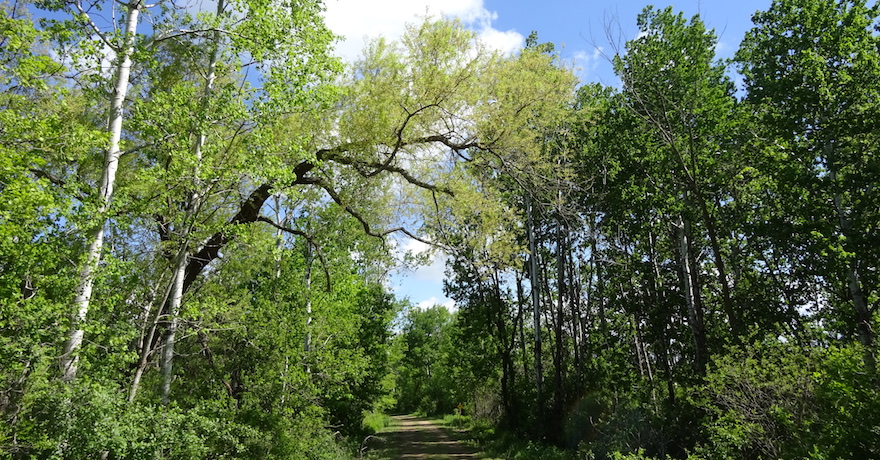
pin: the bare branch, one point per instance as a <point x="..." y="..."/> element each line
<point x="381" y="234"/>
<point x="309" y="238"/>
<point x="384" y="166"/>
<point x="184" y="32"/>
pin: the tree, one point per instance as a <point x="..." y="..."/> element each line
<point x="811" y="69"/>
<point x="302" y="53"/>
<point x="423" y="377"/>
<point x="123" y="47"/>
<point x="42" y="124"/>
<point x="684" y="101"/>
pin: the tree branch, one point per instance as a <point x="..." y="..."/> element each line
<point x="249" y="212"/>
<point x="91" y="24"/>
<point x="384" y="166"/>
<point x="308" y="238"/>
<point x="250" y="208"/>
<point x="55" y="180"/>
<point x="327" y="187"/>
<point x="167" y="35"/>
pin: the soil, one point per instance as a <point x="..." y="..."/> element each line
<point x="414" y="438"/>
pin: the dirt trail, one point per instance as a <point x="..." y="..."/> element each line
<point x="414" y="438"/>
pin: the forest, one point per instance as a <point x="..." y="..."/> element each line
<point x="200" y="210"/>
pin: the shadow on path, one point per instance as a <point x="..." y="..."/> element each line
<point x="413" y="438"/>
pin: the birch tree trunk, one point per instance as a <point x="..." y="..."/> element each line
<point x="559" y="349"/>
<point x="193" y="206"/>
<point x="854" y="282"/>
<point x="520" y="302"/>
<point x="307" y="343"/>
<point x="70" y="358"/>
<point x="171" y="332"/>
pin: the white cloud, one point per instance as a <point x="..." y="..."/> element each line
<point x="433" y="272"/>
<point x="433" y="266"/>
<point x="506" y="42"/>
<point x="426" y="304"/>
<point x="359" y="21"/>
<point x="415" y="246"/>
<point x="586" y="63"/>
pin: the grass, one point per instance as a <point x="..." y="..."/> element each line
<point x="372" y="447"/>
<point x="512" y="447"/>
<point x="454" y="421"/>
<point x="501" y="444"/>
<point x="374" y="422"/>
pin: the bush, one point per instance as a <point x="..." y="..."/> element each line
<point x="88" y="419"/>
<point x="776" y="400"/>
<point x="375" y="421"/>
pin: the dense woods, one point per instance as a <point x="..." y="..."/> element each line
<point x="199" y="212"/>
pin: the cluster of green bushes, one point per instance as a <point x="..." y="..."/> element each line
<point x="770" y="399"/>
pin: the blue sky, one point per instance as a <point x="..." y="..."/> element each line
<point x="577" y="27"/>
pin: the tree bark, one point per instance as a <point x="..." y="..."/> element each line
<point x="723" y="278"/>
<point x="307" y="342"/>
<point x="853" y="281"/>
<point x="536" y="301"/>
<point x="520" y="301"/>
<point x="658" y="297"/>
<point x="575" y="299"/>
<point x="167" y="363"/>
<point x="193" y="207"/>
<point x="70" y="358"/>
<point x="506" y="344"/>
<point x="690" y="290"/>
<point x="559" y="352"/>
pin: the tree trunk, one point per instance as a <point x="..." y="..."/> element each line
<point x="147" y="342"/>
<point x="691" y="294"/>
<point x="69" y="357"/>
<point x="506" y="344"/>
<point x="658" y="297"/>
<point x="171" y="329"/>
<point x="536" y="301"/>
<point x="854" y="282"/>
<point x="307" y="342"/>
<point x="559" y="352"/>
<point x="726" y="299"/>
<point x="193" y="207"/>
<point x="520" y="301"/>
<point x="575" y="299"/>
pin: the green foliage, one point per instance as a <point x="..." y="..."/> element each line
<point x="86" y="420"/>
<point x="691" y="218"/>
<point x="425" y="380"/>
<point x="669" y="219"/>
<point x="507" y="445"/>
<point x="811" y="69"/>
<point x="776" y="400"/>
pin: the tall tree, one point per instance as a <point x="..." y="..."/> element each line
<point x="811" y="70"/>
<point x="685" y="100"/>
<point x="123" y="49"/>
